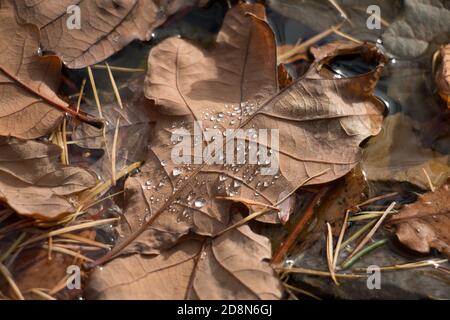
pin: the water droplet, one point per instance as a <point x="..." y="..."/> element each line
<point x="220" y="115"/>
<point x="164" y="163"/>
<point x="199" y="203"/>
<point x="222" y="177"/>
<point x="176" y="172"/>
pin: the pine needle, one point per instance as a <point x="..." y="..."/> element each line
<point x="304" y="292"/>
<point x="242" y="221"/>
<point x="64" y="142"/>
<point x="76" y="227"/>
<point x="341" y="237"/>
<point x="371" y="232"/>
<point x="114" y="153"/>
<point x="114" y="86"/>
<point x="358" y="233"/>
<point x="430" y="183"/>
<point x="330" y="253"/>
<point x="86" y="240"/>
<point x="94" y="90"/>
<point x="68" y="252"/>
<point x="80" y="96"/>
<point x="406" y="266"/>
<point x="319" y="273"/>
<point x="13" y="247"/>
<point x="350" y="261"/>
<point x="41" y="294"/>
<point x="7" y="275"/>
<point x="118" y="69"/>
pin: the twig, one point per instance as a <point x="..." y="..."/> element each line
<point x="299" y="227"/>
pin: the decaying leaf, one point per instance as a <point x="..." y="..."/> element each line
<point x="422" y="22"/>
<point x="443" y="74"/>
<point x="425" y="224"/>
<point x="105" y="26"/>
<point x="232" y="266"/>
<point x="27" y="81"/>
<point x="34" y="183"/>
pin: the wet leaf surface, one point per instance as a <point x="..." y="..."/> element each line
<point x="425" y="224"/>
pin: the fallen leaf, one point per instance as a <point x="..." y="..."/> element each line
<point x="34" y="183"/>
<point x="443" y="74"/>
<point x="421" y="23"/>
<point x="233" y="266"/>
<point x="27" y="81"/>
<point x="320" y="129"/>
<point x="425" y="224"/>
<point x="105" y="26"/>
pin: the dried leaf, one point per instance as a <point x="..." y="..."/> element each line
<point x="232" y="266"/>
<point x="425" y="224"/>
<point x="421" y="23"/>
<point x="33" y="181"/>
<point x="443" y="74"/>
<point x="320" y="129"/>
<point x="27" y="81"/>
<point x="105" y="26"/>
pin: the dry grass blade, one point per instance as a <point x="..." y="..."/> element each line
<point x="371" y="232"/>
<point x="7" y="275"/>
<point x="65" y="157"/>
<point x="114" y="86"/>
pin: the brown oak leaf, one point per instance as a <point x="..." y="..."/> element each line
<point x="27" y="81"/>
<point x="443" y="74"/>
<point x="34" y="183"/>
<point x="425" y="224"/>
<point x="232" y="266"/>
<point x="105" y="26"/>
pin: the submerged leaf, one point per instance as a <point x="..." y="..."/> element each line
<point x="27" y="81"/>
<point x="425" y="224"/>
<point x="105" y="26"/>
<point x="421" y="23"/>
<point x="34" y="183"/>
